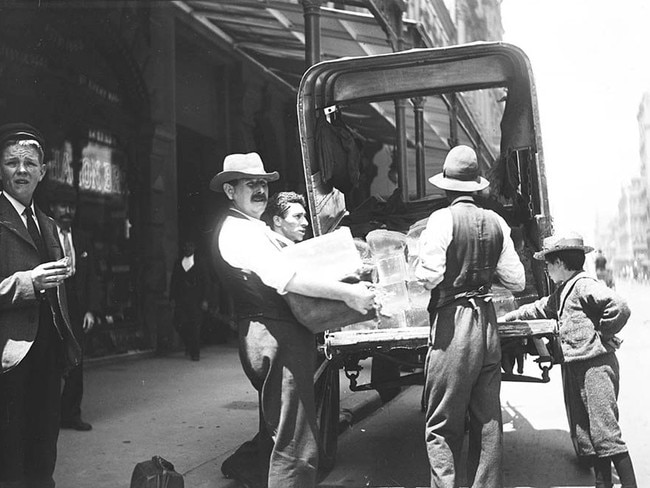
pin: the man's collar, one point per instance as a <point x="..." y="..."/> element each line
<point x="285" y="240"/>
<point x="463" y="198"/>
<point x="20" y="208"/>
<point x="252" y="219"/>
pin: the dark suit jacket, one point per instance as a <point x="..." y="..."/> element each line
<point x="19" y="302"/>
<point x="82" y="288"/>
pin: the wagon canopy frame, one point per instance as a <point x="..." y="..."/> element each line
<point x="333" y="85"/>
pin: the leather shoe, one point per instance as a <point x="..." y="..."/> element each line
<point x="77" y="425"/>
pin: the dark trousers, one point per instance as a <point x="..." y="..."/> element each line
<point x="278" y="357"/>
<point x="188" y="325"/>
<point x="463" y="379"/>
<point x="73" y="390"/>
<point x="250" y="462"/>
<point x="30" y="399"/>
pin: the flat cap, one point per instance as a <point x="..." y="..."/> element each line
<point x="20" y="131"/>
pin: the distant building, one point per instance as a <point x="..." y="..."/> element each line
<point x="140" y="101"/>
<point x="643" y="119"/>
<point x="632" y="226"/>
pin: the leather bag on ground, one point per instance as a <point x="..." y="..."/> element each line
<point x="156" y="473"/>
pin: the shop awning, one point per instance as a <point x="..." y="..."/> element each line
<point x="271" y="33"/>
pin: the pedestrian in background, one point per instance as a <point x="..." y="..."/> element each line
<point x="276" y="351"/>
<point x="188" y="292"/>
<point x="83" y="291"/>
<point x="462" y="251"/>
<point x="603" y="273"/>
<point x="589" y="314"/>
<point x="286" y="215"/>
<point x="36" y="339"/>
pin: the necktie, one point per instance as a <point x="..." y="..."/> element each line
<point x="52" y="310"/>
<point x="68" y="250"/>
<point x="35" y="234"/>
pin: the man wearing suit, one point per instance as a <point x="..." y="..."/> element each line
<point x="82" y="290"/>
<point x="36" y="339"/>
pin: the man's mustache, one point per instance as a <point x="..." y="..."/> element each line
<point x="260" y="197"/>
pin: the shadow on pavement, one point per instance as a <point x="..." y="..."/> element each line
<point x="388" y="450"/>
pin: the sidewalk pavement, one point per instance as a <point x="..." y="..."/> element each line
<point x="194" y="414"/>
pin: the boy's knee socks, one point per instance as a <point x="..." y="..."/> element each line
<point x="603" y="472"/>
<point x="625" y="470"/>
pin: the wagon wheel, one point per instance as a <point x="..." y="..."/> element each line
<point x="326" y="388"/>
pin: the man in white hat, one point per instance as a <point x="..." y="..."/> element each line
<point x="463" y="249"/>
<point x="277" y="353"/>
<point x="589" y="315"/>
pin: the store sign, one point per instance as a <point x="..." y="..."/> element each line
<point x="99" y="174"/>
<point x="59" y="168"/>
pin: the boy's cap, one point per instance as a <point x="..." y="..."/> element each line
<point x="20" y="131"/>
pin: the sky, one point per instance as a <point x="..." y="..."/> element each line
<point x="591" y="62"/>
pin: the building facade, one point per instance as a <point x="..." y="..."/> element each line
<point x="140" y="101"/>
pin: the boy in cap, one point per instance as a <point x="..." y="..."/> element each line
<point x="589" y="315"/>
<point x="36" y="338"/>
<point x="463" y="250"/>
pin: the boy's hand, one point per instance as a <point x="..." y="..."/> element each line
<point x="50" y="274"/>
<point x="509" y="317"/>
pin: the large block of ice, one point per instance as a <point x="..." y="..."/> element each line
<point x="332" y="255"/>
<point x="385" y="242"/>
<point x="391" y="269"/>
<point x="393" y="298"/>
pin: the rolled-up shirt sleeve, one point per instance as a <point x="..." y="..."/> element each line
<point x="510" y="271"/>
<point x="432" y="248"/>
<point x="245" y="244"/>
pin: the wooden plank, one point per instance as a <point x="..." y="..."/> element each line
<point x="416" y="336"/>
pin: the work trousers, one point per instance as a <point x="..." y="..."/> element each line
<point x="188" y="325"/>
<point x="463" y="380"/>
<point x="590" y="394"/>
<point x="30" y="400"/>
<point x="278" y="358"/>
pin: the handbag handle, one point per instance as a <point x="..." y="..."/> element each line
<point x="163" y="463"/>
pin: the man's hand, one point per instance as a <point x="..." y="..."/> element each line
<point x="361" y="297"/>
<point x="89" y="322"/>
<point x="49" y="275"/>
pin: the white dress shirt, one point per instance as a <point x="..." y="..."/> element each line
<point x="67" y="236"/>
<point x="20" y="208"/>
<point x="187" y="262"/>
<point x="250" y="244"/>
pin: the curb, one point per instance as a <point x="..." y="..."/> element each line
<point x="118" y="358"/>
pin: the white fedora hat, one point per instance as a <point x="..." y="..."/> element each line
<point x="460" y="171"/>
<point x="237" y="166"/>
